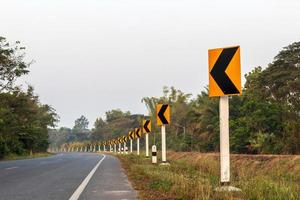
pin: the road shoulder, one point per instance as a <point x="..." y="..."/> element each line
<point x="109" y="182"/>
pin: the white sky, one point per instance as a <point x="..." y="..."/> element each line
<point x="95" y="55"/>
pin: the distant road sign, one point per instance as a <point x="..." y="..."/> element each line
<point x="131" y="135"/>
<point x="138" y="132"/>
<point x="120" y="140"/>
<point x="124" y="138"/>
<point x="146" y="126"/>
<point x="224" y="71"/>
<point x="163" y="114"/>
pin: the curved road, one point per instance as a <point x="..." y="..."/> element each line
<point x="64" y="177"/>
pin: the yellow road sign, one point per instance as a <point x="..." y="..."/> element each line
<point x="163" y="115"/>
<point x="146" y="126"/>
<point x="131" y="135"/>
<point x="138" y="132"/>
<point x="124" y="138"/>
<point x="224" y="71"/>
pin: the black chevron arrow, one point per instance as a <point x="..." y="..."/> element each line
<point x="218" y="71"/>
<point x="138" y="132"/>
<point x="146" y="126"/>
<point x="161" y="114"/>
<point x="132" y="135"/>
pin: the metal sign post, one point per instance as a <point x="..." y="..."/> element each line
<point x="163" y="144"/>
<point x="147" y="145"/>
<point x="224" y="139"/>
<point x="138" y="146"/>
<point x="124" y="148"/>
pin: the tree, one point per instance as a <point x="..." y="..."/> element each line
<point x="81" y="124"/>
<point x="205" y="117"/>
<point x="12" y="64"/>
<point x="24" y="123"/>
<point x="281" y="81"/>
<point x="115" y="114"/>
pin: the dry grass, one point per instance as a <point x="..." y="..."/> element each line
<point x="21" y="157"/>
<point x="193" y="175"/>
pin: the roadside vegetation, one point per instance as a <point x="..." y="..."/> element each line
<point x="194" y="175"/>
<point x="265" y="119"/>
<point x="21" y="157"/>
<point x="24" y="120"/>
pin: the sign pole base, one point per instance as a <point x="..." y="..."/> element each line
<point x="227" y="188"/>
<point x="163" y="144"/>
<point x="224" y="148"/>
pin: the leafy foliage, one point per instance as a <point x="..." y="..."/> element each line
<point x="265" y="119"/>
<point x="24" y="121"/>
<point x="12" y="64"/>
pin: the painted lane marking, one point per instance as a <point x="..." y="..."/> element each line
<point x="10" y="168"/>
<point x="84" y="183"/>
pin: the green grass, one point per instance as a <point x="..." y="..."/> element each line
<point x="20" y="157"/>
<point x="186" y="178"/>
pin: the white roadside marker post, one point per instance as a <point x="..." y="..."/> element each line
<point x="224" y="140"/>
<point x="154" y="154"/>
<point x="130" y="145"/>
<point x="138" y="146"/>
<point x="163" y="144"/>
<point x="119" y="150"/>
<point x="147" y="145"/>
<point x="124" y="148"/>
<point x="115" y="148"/>
<point x="224" y="147"/>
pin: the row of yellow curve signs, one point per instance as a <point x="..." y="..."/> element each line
<point x="224" y="80"/>
<point x="163" y="117"/>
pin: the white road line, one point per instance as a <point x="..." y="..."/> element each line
<point x="9" y="168"/>
<point x="84" y="183"/>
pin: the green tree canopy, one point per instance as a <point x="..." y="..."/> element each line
<point x="12" y="64"/>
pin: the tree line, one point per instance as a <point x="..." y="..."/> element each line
<point x="24" y="120"/>
<point x="264" y="119"/>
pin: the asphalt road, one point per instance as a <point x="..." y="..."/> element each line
<point x="63" y="176"/>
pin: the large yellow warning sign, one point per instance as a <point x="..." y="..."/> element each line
<point x="163" y="115"/>
<point x="146" y="126"/>
<point x="224" y="71"/>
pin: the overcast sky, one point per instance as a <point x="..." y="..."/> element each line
<point x="95" y="55"/>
